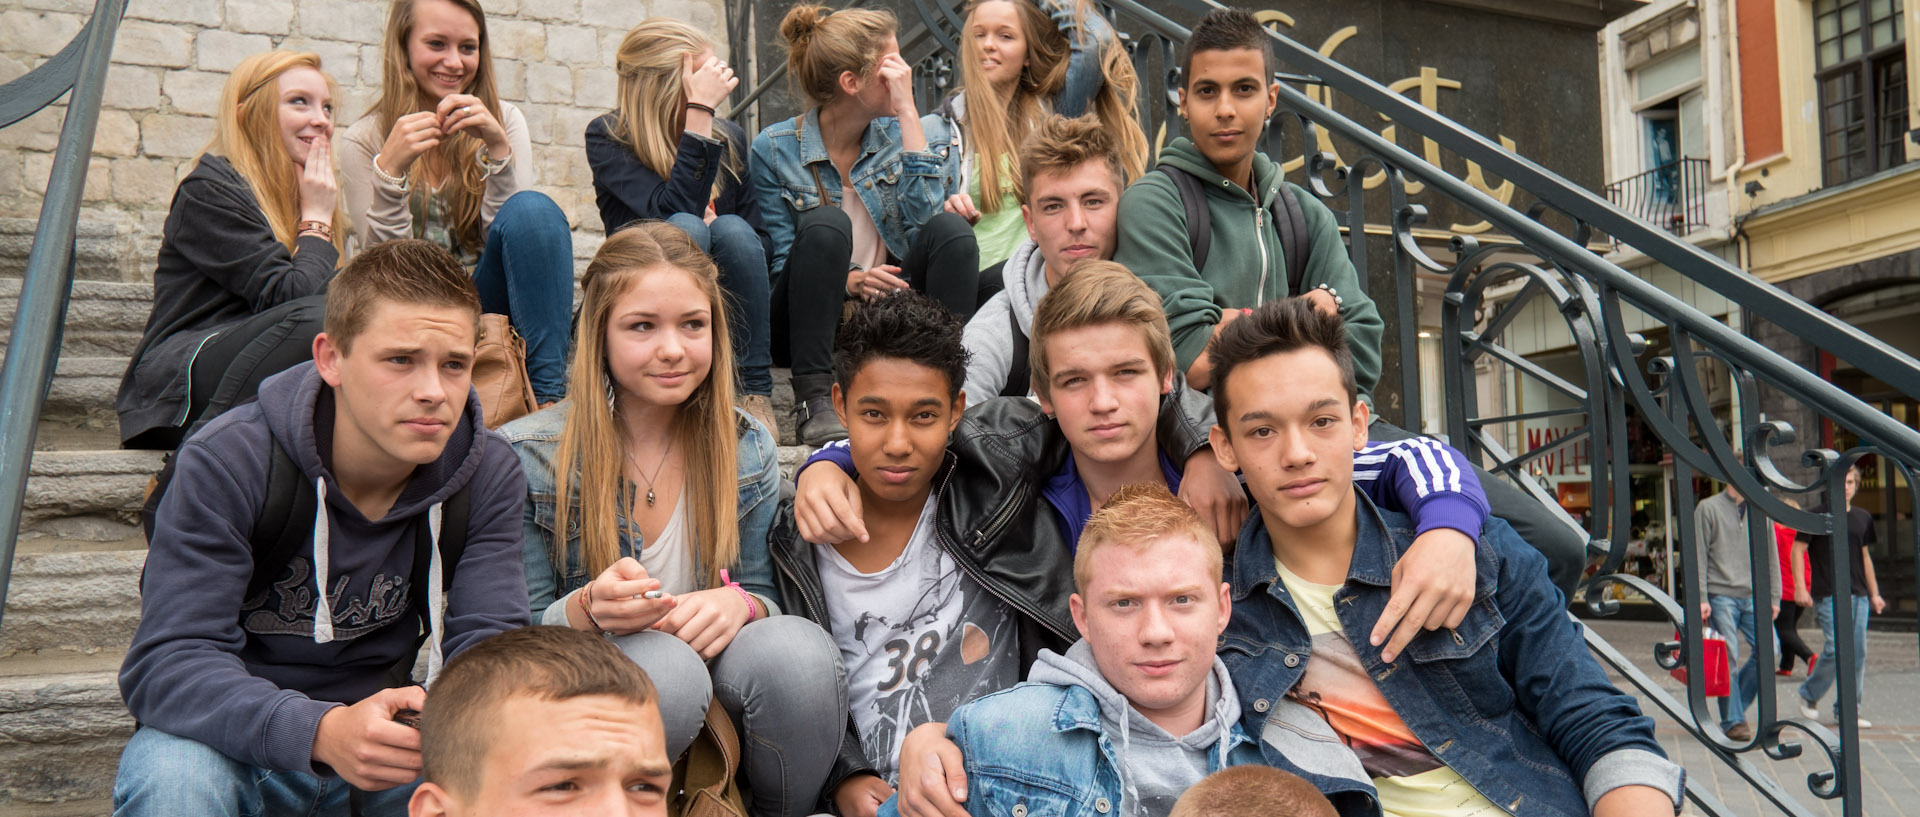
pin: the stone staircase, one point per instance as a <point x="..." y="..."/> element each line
<point x="74" y="600"/>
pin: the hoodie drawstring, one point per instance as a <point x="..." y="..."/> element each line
<point x="436" y="601"/>
<point x="322" y="607"/>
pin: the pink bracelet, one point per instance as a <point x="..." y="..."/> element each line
<point x="752" y="609"/>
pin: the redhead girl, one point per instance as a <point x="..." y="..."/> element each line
<point x="1018" y="62"/>
<point x="663" y="153"/>
<point x="649" y="500"/>
<point x="440" y="157"/>
<point x="851" y="193"/>
<point x="253" y="236"/>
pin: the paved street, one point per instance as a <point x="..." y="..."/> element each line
<point x="1891" y="749"/>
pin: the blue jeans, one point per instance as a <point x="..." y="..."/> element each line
<point x="781" y="682"/>
<point x="736" y="249"/>
<point x="166" y="775"/>
<point x="526" y="273"/>
<point x="1733" y="614"/>
<point x="1827" y="671"/>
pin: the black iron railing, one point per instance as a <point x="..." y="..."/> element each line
<point x="79" y="73"/>
<point x="1672" y="196"/>
<point x="1543" y="260"/>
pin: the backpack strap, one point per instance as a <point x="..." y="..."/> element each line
<point x="1199" y="220"/>
<point x="285" y="522"/>
<point x="1019" y="375"/>
<point x="1295" y="245"/>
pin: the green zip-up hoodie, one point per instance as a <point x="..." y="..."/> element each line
<point x="1245" y="266"/>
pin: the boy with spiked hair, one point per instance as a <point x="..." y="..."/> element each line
<point x="279" y="699"/>
<point x="1505" y="711"/>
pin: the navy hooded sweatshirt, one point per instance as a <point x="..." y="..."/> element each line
<point x="248" y="677"/>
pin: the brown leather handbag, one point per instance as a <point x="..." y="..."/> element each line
<point x="706" y="777"/>
<point x="500" y="372"/>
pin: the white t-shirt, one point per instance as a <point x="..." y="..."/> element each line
<point x="868" y="250"/>
<point x="669" y="557"/>
<point x="918" y="638"/>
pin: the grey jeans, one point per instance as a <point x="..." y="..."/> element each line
<point x="782" y="683"/>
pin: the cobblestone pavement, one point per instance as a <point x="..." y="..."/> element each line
<point x="1890" y="751"/>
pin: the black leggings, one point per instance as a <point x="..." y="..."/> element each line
<point x="1787" y="626"/>
<point x="228" y="368"/>
<point x="943" y="262"/>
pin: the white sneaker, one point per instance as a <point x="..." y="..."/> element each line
<point x="1809" y="712"/>
<point x="1864" y="723"/>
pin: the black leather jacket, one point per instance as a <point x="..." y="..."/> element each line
<point x="991" y="518"/>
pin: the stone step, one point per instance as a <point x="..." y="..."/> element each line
<point x="104" y="318"/>
<point x="87" y="495"/>
<point x="98" y="249"/>
<point x="72" y="603"/>
<point x="83" y="392"/>
<point x="63" y="736"/>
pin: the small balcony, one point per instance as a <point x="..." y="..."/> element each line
<point x="1672" y="196"/>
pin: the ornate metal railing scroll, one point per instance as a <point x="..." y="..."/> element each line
<point x="79" y="73"/>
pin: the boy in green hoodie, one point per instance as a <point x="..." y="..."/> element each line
<point x="1228" y="96"/>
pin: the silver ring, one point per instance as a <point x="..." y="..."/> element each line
<point x="466" y="108"/>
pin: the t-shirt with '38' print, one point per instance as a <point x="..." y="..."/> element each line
<point x="918" y="638"/>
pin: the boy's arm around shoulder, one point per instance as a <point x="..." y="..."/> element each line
<point x="1331" y="265"/>
<point x="489" y="592"/>
<point x="1152" y="225"/>
<point x="1596" y="729"/>
<point x="183" y="674"/>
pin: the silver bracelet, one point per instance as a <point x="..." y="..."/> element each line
<point x="397" y="181"/>
<point x="488" y="164"/>
<point x="1335" y="293"/>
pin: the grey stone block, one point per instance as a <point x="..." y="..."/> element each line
<point x="60" y="737"/>
<point x="80" y="603"/>
<point x="96" y="247"/>
<point x="102" y="484"/>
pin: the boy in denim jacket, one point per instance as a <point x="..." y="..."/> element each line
<point x="1504" y="712"/>
<point x="1139" y="709"/>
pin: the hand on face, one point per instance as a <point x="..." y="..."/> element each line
<point x="896" y="77"/>
<point x="319" y="190"/>
<point x="707" y="80"/>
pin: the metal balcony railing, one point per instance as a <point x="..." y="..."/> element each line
<point x="1672" y="196"/>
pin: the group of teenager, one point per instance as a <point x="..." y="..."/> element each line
<point x="1130" y="525"/>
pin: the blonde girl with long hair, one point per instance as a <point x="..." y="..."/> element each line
<point x="252" y="238"/>
<point x="663" y="153"/>
<point x="851" y="194"/>
<point x="440" y="157"/>
<point x="649" y="500"/>
<point x="1019" y="61"/>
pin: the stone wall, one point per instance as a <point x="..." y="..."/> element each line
<point x="554" y="59"/>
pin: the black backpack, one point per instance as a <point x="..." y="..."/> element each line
<point x="1288" y="219"/>
<point x="285" y="528"/>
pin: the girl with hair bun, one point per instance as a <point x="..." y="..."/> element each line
<point x="440" y="157"/>
<point x="251" y="240"/>
<point x="851" y="192"/>
<point x="1019" y="61"/>
<point x="664" y="153"/>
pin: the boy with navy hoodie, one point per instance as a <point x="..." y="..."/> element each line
<point x="278" y="701"/>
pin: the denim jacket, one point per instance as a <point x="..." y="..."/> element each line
<point x="901" y="189"/>
<point x="1045" y="748"/>
<point x="536" y="438"/>
<point x="1509" y="700"/>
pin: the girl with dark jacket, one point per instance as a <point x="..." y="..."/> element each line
<point x="251" y="240"/>
<point x="664" y="153"/>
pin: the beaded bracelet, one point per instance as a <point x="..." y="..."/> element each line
<point x="399" y="181"/>
<point x="753" y="610"/>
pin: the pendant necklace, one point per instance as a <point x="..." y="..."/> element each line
<point x="656" y="469"/>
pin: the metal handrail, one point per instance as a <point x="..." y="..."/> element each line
<point x="33" y="347"/>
